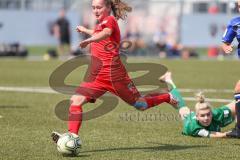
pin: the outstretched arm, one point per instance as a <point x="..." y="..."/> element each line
<point x="82" y="29"/>
<point x="227" y="39"/>
<point x="210" y="134"/>
<point x="105" y="33"/>
<point x="218" y="134"/>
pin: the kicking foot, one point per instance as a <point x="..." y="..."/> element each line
<point x="167" y="77"/>
<point x="55" y="136"/>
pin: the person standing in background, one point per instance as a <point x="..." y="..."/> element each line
<point x="62" y="33"/>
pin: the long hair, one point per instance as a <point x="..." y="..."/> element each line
<point x="201" y="104"/>
<point x="119" y="8"/>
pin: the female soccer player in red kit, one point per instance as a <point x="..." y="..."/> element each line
<point x="107" y="71"/>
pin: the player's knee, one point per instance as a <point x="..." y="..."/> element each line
<point x="140" y="105"/>
<point x="183" y="112"/>
<point x="78" y="100"/>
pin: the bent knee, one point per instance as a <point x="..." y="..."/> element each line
<point x="183" y="112"/>
<point x="140" y="105"/>
<point x="78" y="100"/>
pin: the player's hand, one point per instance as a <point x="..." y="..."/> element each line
<point x="81" y="29"/>
<point x="84" y="43"/>
<point x="227" y="48"/>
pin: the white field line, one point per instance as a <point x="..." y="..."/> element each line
<point x="48" y="90"/>
<point x="28" y="89"/>
<point x="207" y="90"/>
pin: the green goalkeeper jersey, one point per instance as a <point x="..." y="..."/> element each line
<point x="221" y="117"/>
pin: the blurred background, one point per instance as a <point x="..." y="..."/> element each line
<point x="162" y="28"/>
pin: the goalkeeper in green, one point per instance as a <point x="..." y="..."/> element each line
<point x="205" y="121"/>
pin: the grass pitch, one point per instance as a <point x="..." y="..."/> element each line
<point x="27" y="118"/>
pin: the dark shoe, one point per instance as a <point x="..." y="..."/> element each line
<point x="235" y="133"/>
<point x="55" y="136"/>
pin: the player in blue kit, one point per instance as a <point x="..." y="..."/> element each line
<point x="232" y="31"/>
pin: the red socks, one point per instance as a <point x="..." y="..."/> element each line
<point x="74" y="119"/>
<point x="75" y="112"/>
<point x="156" y="99"/>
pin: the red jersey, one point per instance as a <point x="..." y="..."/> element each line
<point x="106" y="63"/>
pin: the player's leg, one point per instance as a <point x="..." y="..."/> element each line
<point x="232" y="107"/>
<point x="75" y="113"/>
<point x="87" y="92"/>
<point x="66" y="46"/>
<point x="74" y="117"/>
<point x="237" y="105"/>
<point x="127" y="91"/>
<point x="235" y="108"/>
<point x="60" y="48"/>
<point x="153" y="99"/>
<point x="181" y="106"/>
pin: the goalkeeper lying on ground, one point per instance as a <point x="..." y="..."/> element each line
<point x="205" y="121"/>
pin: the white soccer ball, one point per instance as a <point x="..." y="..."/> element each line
<point x="69" y="144"/>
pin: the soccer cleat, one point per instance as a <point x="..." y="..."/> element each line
<point x="235" y="133"/>
<point x="173" y="101"/>
<point x="55" y="136"/>
<point x="167" y="78"/>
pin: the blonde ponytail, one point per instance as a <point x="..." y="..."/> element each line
<point x="201" y="104"/>
<point x="200" y="97"/>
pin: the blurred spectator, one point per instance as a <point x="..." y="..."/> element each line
<point x="189" y="53"/>
<point x="174" y="50"/>
<point x="62" y="33"/>
<point x="213" y="9"/>
<point x="138" y="44"/>
<point x="159" y="39"/>
<point x="213" y="51"/>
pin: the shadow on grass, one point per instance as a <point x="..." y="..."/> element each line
<point x="13" y="107"/>
<point x="81" y="156"/>
<point x="237" y="144"/>
<point x="160" y="147"/>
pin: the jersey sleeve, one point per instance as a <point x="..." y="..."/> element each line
<point x="222" y="116"/>
<point x="229" y="34"/>
<point x="196" y="131"/>
<point x="109" y="22"/>
<point x="192" y="128"/>
<point x="203" y="133"/>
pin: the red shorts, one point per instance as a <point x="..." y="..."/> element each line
<point x="125" y="89"/>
